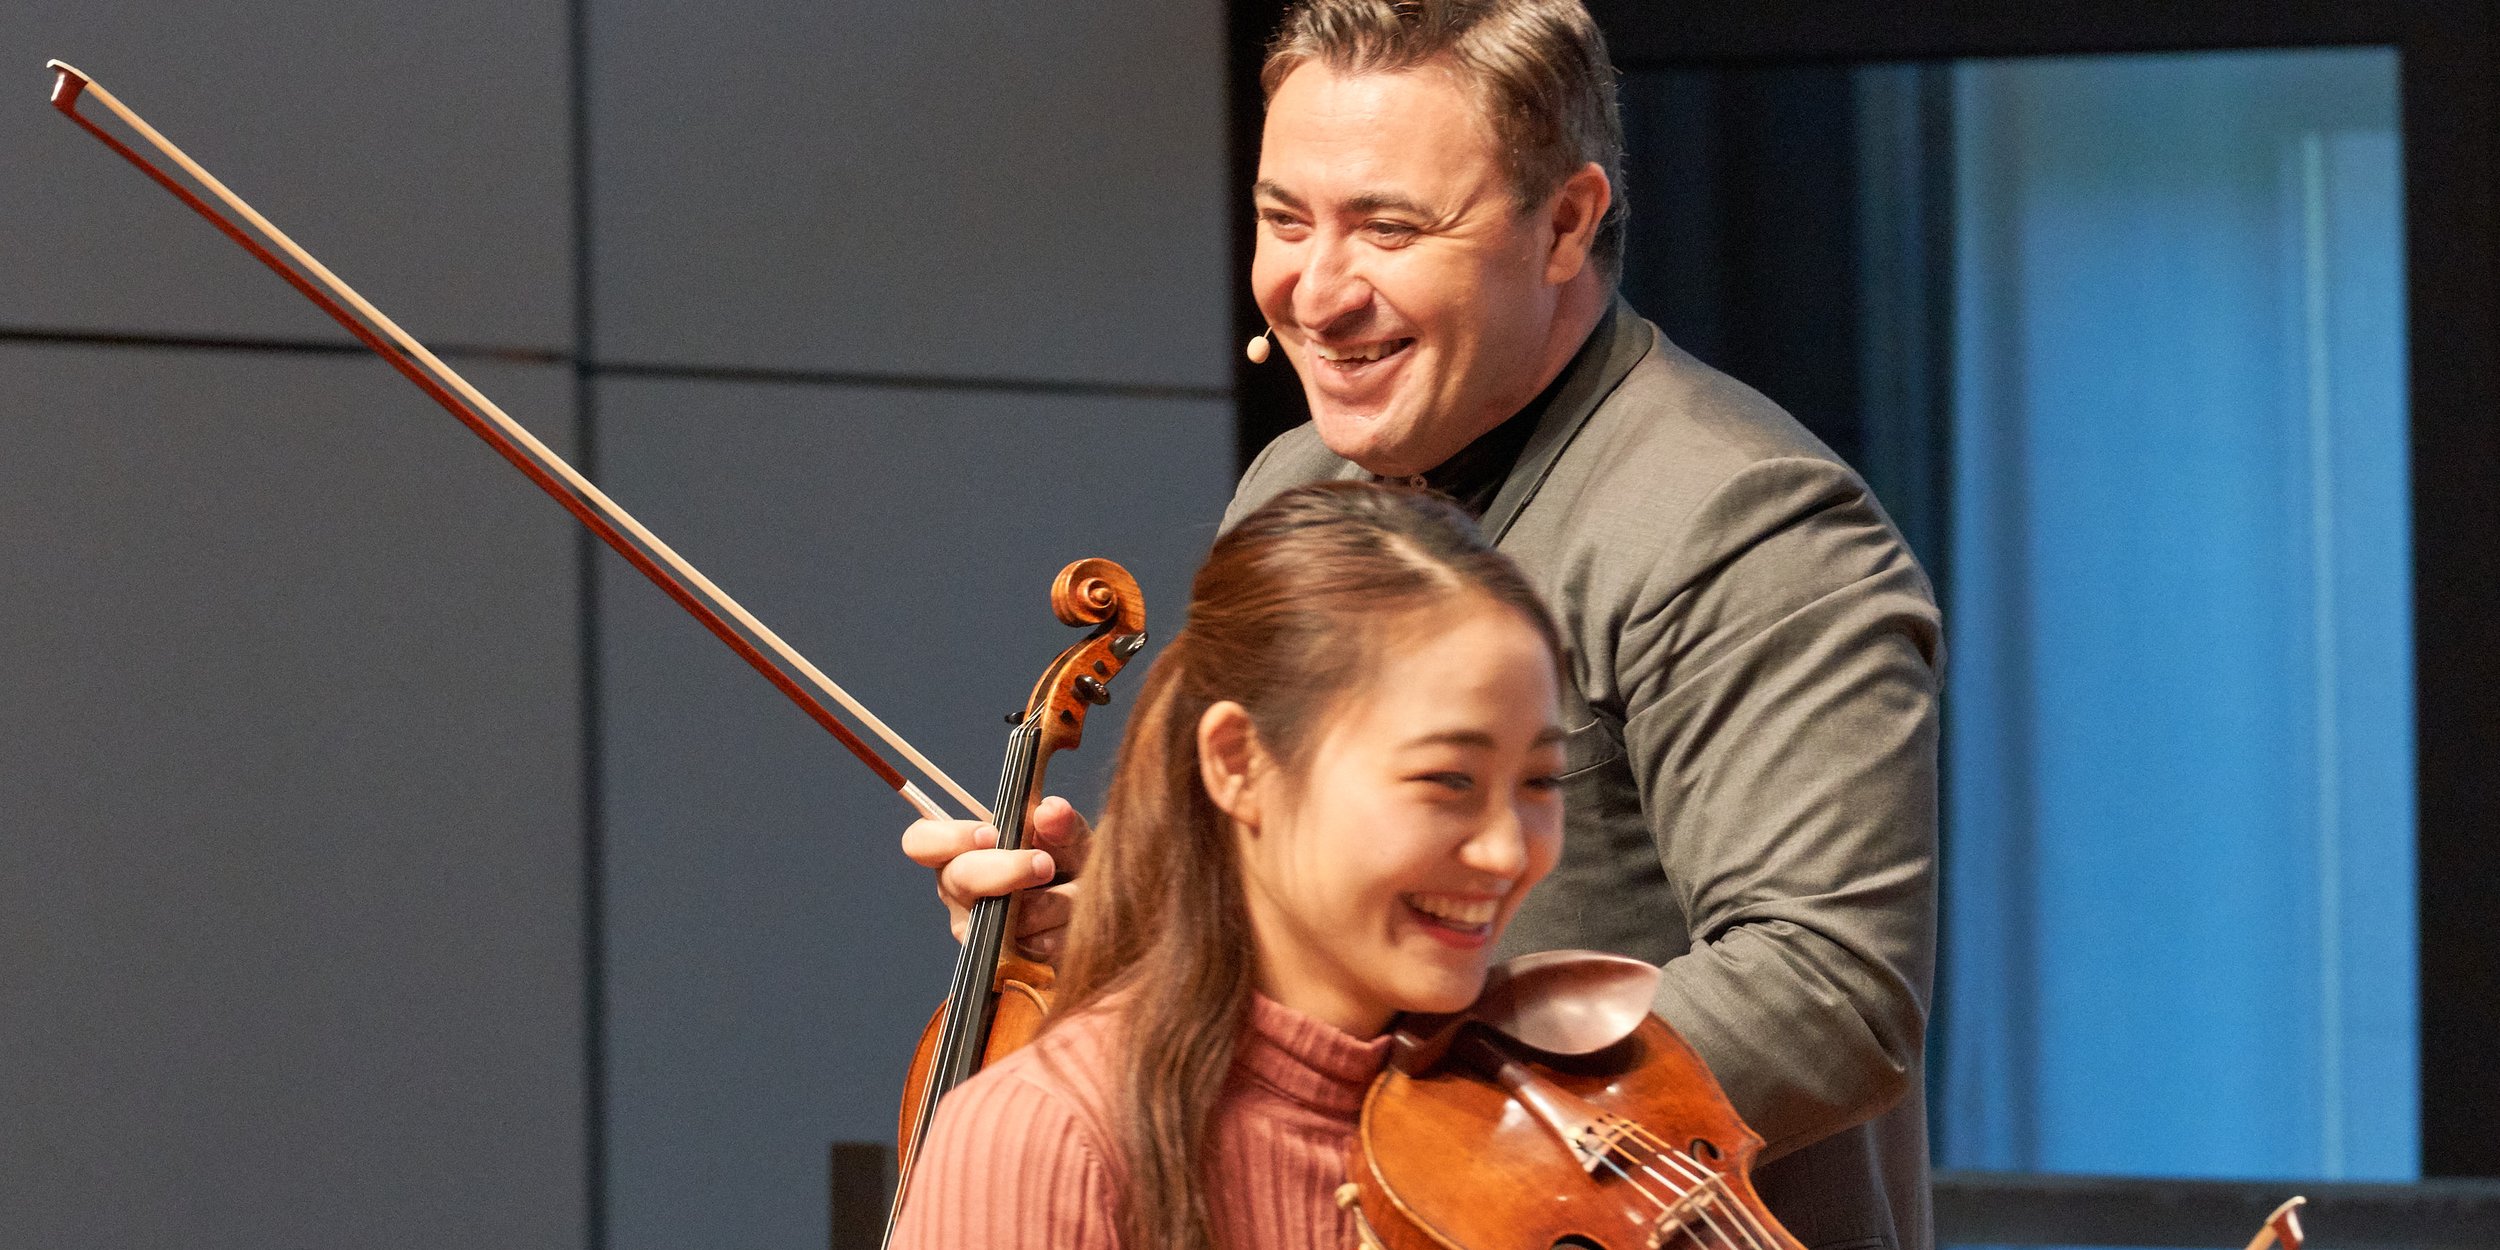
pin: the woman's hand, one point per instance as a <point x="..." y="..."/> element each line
<point x="970" y="867"/>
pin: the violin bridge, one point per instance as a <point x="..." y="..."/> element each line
<point x="1692" y="1207"/>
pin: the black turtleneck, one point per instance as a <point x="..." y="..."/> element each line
<point x="1475" y="475"/>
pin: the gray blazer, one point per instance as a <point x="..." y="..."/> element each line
<point x="1751" y="800"/>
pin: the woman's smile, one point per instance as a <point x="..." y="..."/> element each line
<point x="1378" y="881"/>
<point x="1458" y="919"/>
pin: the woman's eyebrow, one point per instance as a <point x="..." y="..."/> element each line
<point x="1479" y="738"/>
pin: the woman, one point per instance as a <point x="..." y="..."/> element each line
<point x="1338" y="785"/>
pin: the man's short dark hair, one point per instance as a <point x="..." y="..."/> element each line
<point x="1538" y="68"/>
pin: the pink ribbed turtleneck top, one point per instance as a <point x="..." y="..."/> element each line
<point x="1020" y="1157"/>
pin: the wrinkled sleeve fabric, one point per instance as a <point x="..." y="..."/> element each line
<point x="1008" y="1165"/>
<point x="1779" y="671"/>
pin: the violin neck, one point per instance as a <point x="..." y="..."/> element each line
<point x="969" y="1002"/>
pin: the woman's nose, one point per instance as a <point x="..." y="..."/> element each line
<point x="1500" y="848"/>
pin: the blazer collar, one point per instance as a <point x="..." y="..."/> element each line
<point x="1618" y="343"/>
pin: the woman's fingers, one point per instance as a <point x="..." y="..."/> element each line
<point x="1061" y="830"/>
<point x="977" y="875"/>
<point x="970" y="867"/>
<point x="1042" y="922"/>
<point x="931" y="843"/>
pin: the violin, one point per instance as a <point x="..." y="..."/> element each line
<point x="1554" y="1111"/>
<point x="1557" y="1111"/>
<point x="999" y="1000"/>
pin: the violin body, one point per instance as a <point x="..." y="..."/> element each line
<point x="1629" y="1147"/>
<point x="1021" y="999"/>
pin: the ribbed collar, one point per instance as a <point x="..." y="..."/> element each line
<point x="1308" y="1062"/>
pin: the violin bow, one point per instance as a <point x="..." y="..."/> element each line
<point x="591" y="506"/>
<point x="2282" y="1228"/>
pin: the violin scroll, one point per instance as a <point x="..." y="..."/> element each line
<point x="1090" y="592"/>
<point x="1093" y="592"/>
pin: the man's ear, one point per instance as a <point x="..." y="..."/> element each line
<point x="1574" y="214"/>
<point x="1231" y="761"/>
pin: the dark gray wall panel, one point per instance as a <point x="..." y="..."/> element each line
<point x="421" y="151"/>
<point x="290" y="816"/>
<point x="771" y="954"/>
<point x="991" y="189"/>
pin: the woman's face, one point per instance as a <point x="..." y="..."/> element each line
<point x="1378" y="882"/>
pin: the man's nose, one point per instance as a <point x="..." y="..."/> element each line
<point x="1331" y="286"/>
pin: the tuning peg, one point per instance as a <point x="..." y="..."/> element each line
<point x="1092" y="691"/>
<point x="1015" y="718"/>
<point x="1128" y="645"/>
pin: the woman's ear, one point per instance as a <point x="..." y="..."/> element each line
<point x="1230" y="761"/>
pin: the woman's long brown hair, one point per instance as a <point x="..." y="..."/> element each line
<point x="1286" y="618"/>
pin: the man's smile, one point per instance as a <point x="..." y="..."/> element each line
<point x="1359" y="373"/>
<point x="1354" y="354"/>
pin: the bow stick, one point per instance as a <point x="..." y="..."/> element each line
<point x="588" y="504"/>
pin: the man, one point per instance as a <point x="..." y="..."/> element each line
<point x="1751" y="785"/>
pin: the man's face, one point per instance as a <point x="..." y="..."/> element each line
<point x="1402" y="282"/>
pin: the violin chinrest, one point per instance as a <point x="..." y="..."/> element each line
<point x="1558" y="1002"/>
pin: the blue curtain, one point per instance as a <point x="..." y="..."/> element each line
<point x="2179" y="871"/>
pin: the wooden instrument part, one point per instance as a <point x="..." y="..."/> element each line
<point x="1631" y="1147"/>
<point x="1556" y="1112"/>
<point x="998" y="1000"/>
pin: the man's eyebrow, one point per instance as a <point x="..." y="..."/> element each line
<point x="1264" y="189"/>
<point x="1374" y="201"/>
<point x="1366" y="202"/>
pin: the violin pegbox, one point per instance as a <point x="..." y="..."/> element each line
<point x="1093" y="592"/>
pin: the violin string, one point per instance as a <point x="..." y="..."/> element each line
<point x="1629" y="1213"/>
<point x="1738" y="1213"/>
<point x="1703" y="1200"/>
<point x="985" y="935"/>
<point x="1755" y="1234"/>
<point x="516" y="436"/>
<point x="1701" y="1207"/>
<point x="1709" y="1187"/>
<point x="1681" y="1193"/>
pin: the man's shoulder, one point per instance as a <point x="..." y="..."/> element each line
<point x="1677" y="472"/>
<point x="1677" y="442"/>
<point x="1675" y="422"/>
<point x="1296" y="457"/>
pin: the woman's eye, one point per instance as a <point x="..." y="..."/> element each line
<point x="1459" y="782"/>
<point x="1545" y="784"/>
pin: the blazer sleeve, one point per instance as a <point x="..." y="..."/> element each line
<point x="1780" y="672"/>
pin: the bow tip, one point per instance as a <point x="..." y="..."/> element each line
<point x="68" y="80"/>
